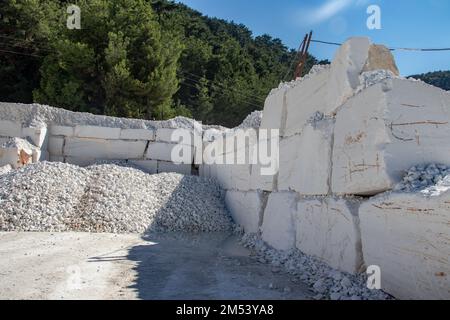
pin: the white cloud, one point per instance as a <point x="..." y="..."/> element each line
<point x="326" y="11"/>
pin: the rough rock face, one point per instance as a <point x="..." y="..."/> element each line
<point x="407" y="236"/>
<point x="278" y="228"/>
<point x="346" y="68"/>
<point x="328" y="228"/>
<point x="18" y="152"/>
<point x="305" y="165"/>
<point x="386" y="129"/>
<point x="380" y="58"/>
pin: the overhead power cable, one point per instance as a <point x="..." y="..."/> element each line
<point x="392" y="49"/>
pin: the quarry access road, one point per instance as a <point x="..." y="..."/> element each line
<point x="131" y="266"/>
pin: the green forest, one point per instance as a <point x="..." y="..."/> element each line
<point x="137" y="58"/>
<point x="149" y="59"/>
<point x="439" y="79"/>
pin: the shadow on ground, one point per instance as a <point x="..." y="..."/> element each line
<point x="206" y="266"/>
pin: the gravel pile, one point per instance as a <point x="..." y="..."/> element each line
<point x="371" y="78"/>
<point x="5" y="169"/>
<point x="431" y="179"/>
<point x="326" y="282"/>
<point x="252" y="121"/>
<point x="108" y="198"/>
<point x="43" y="115"/>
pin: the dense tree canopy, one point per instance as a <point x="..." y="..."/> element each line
<point x="137" y="58"/>
<point x="439" y="79"/>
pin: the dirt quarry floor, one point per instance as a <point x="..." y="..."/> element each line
<point x="113" y="266"/>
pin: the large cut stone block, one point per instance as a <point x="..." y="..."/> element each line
<point x="66" y="131"/>
<point x="408" y="237"/>
<point x="306" y="160"/>
<point x="303" y="100"/>
<point x="18" y="153"/>
<point x="346" y="67"/>
<point x="380" y="58"/>
<point x="164" y="152"/>
<point x="328" y="229"/>
<point x="274" y="115"/>
<point x="104" y="149"/>
<point x="246" y="208"/>
<point x="10" y="129"/>
<point x="385" y="130"/>
<point x="137" y="134"/>
<point x="278" y="228"/>
<point x="37" y="135"/>
<point x="97" y="132"/>
<point x="173" y="135"/>
<point x="55" y="146"/>
<point x="223" y="174"/>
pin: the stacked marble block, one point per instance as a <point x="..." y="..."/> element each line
<point x="246" y="188"/>
<point x="344" y="143"/>
<point x="148" y="149"/>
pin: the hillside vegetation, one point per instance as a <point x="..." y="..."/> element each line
<point x="138" y="58"/>
<point x="439" y="79"/>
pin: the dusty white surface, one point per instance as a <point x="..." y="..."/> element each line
<point x="305" y="99"/>
<point x="306" y="160"/>
<point x="278" y="228"/>
<point x="328" y="228"/>
<point x="106" y="266"/>
<point x="274" y="116"/>
<point x="246" y="208"/>
<point x="385" y="130"/>
<point x="346" y="67"/>
<point x="408" y="236"/>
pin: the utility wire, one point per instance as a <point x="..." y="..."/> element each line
<point x="21" y="53"/>
<point x="247" y="95"/>
<point x="392" y="49"/>
<point x="222" y="90"/>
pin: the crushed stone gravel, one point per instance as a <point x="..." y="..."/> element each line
<point x="325" y="282"/>
<point x="428" y="179"/>
<point x="108" y="198"/>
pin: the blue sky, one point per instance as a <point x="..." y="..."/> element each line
<point x="404" y="23"/>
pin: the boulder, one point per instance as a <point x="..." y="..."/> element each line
<point x="380" y="58"/>
<point x="306" y="159"/>
<point x="328" y="228"/>
<point x="18" y="152"/>
<point x="303" y="100"/>
<point x="104" y="149"/>
<point x="346" y="67"/>
<point x="407" y="236"/>
<point x="246" y="208"/>
<point x="274" y="115"/>
<point x="164" y="152"/>
<point x="97" y="132"/>
<point x="386" y="129"/>
<point x="55" y="146"/>
<point x="137" y="134"/>
<point x="56" y="130"/>
<point x="10" y="129"/>
<point x="278" y="229"/>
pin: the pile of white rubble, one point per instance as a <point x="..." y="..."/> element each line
<point x="108" y="198"/>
